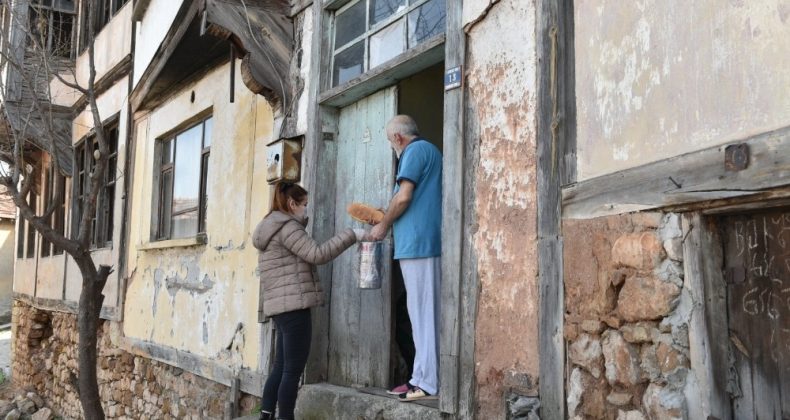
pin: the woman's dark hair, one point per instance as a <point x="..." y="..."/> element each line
<point x="282" y="192"/>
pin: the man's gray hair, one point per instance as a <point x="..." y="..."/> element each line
<point x="404" y="125"/>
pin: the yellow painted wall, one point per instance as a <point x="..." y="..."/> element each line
<point x="7" y="255"/>
<point x="193" y="298"/>
<point x="659" y="78"/>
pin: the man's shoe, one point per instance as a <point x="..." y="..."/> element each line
<point x="266" y="416"/>
<point x="415" y="394"/>
<point x="400" y="389"/>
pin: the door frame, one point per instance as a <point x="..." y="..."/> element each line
<point x="459" y="274"/>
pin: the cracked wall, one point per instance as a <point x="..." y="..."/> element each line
<point x="656" y="79"/>
<point x="203" y="298"/>
<point x="501" y="85"/>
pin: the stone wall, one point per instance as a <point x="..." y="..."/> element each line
<point x="131" y="387"/>
<point x="627" y="317"/>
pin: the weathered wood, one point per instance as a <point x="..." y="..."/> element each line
<point x="297" y="6"/>
<point x="269" y="44"/>
<point x="319" y="177"/>
<point x="57" y="305"/>
<point x="452" y="217"/>
<point x="415" y="59"/>
<point x="186" y="13"/>
<point x="552" y="345"/>
<point x="251" y="381"/>
<point x="693" y="177"/>
<point x="757" y="267"/>
<point x="555" y="142"/>
<point x="360" y="321"/>
<point x="708" y="337"/>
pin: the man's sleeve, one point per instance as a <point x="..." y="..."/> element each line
<point x="411" y="166"/>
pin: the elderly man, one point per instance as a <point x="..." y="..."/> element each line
<point x="415" y="213"/>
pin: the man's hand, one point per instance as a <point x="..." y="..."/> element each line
<point x="379" y="232"/>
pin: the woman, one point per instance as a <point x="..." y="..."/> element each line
<point x="289" y="288"/>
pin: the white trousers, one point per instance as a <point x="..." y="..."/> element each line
<point x="422" y="278"/>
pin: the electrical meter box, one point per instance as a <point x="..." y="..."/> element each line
<point x="283" y="160"/>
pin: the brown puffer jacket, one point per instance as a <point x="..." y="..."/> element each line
<point x="286" y="263"/>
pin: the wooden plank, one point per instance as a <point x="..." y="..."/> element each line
<point x="708" y="327"/>
<point x="251" y="381"/>
<point x="378" y="176"/>
<point x="344" y="310"/>
<point x="552" y="345"/>
<point x="415" y="59"/>
<point x="452" y="219"/>
<point x="689" y="178"/>
<point x="555" y="140"/>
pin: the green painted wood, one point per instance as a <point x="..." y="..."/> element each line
<point x="359" y="337"/>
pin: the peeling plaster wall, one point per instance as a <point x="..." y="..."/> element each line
<point x="657" y="78"/>
<point x="501" y="116"/>
<point x="203" y="299"/>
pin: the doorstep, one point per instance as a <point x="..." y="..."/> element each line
<point x="326" y="401"/>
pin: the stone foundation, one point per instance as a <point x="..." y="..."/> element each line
<point x="627" y="317"/>
<point x="131" y="387"/>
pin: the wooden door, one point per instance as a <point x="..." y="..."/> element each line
<point x="359" y="326"/>
<point x="757" y="272"/>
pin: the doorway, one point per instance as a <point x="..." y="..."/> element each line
<point x="368" y="328"/>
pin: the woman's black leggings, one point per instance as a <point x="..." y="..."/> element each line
<point x="294" y="331"/>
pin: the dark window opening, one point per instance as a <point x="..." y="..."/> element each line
<point x="102" y="220"/>
<point x="52" y="26"/>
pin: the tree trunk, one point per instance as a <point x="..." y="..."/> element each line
<point x="91" y="300"/>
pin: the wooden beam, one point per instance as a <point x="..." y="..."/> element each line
<point x="250" y="381"/>
<point x="57" y="305"/>
<point x="708" y="331"/>
<point x="556" y="143"/>
<point x="682" y="180"/>
<point x="319" y="177"/>
<point x="418" y="58"/>
<point x="452" y="217"/>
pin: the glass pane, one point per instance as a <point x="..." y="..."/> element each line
<point x="185" y="225"/>
<point x="349" y="24"/>
<point x="382" y="9"/>
<point x="387" y="43"/>
<point x="208" y="128"/>
<point x="427" y="21"/>
<point x="166" y="204"/>
<point x="348" y="64"/>
<point x="186" y="182"/>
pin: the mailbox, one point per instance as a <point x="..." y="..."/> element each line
<point x="283" y="160"/>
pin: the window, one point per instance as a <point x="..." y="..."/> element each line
<point x="102" y="221"/>
<point x="183" y="171"/>
<point x="55" y="184"/>
<point x="31" y="232"/>
<point x="52" y="25"/>
<point x="368" y="33"/>
<point x="103" y="11"/>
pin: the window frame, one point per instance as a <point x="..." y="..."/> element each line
<point x="162" y="214"/>
<point x="369" y="32"/>
<point x="104" y="220"/>
<point x="36" y="7"/>
<point x="53" y="182"/>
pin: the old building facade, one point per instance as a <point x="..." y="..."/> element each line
<point x="613" y="233"/>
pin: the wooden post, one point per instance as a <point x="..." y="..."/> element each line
<point x="453" y="217"/>
<point x="556" y="163"/>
